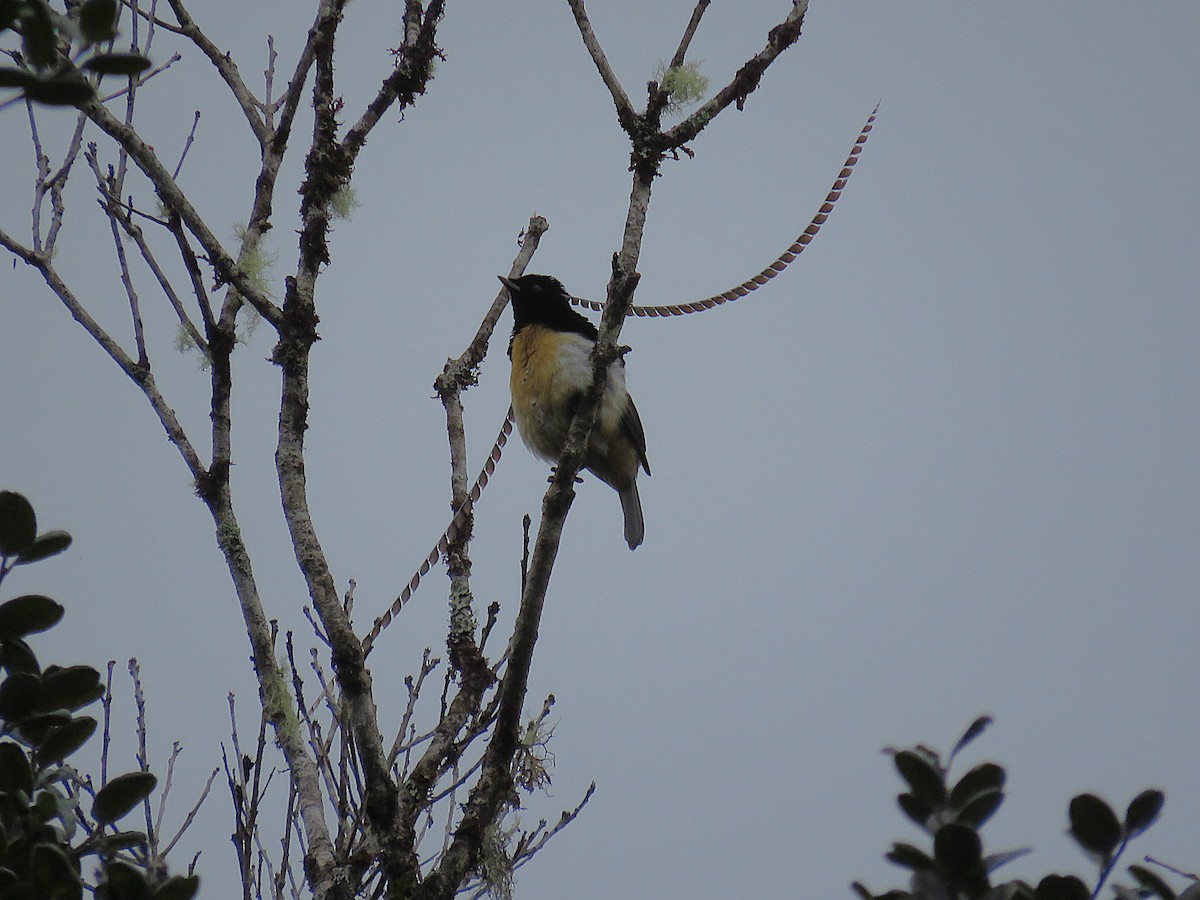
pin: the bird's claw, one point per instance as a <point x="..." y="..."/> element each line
<point x="554" y="474"/>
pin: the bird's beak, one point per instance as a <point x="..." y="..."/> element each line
<point x="507" y="282"/>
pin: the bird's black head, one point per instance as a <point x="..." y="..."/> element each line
<point x="542" y="300"/>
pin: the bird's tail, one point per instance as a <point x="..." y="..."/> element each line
<point x="631" y="506"/>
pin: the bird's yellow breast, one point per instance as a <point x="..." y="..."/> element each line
<point x="545" y="384"/>
<point x="534" y="359"/>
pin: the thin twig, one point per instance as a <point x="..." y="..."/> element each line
<point x="625" y="110"/>
<point x="226" y="68"/>
<point x="187" y="145"/>
<point x="565" y="819"/>
<point x="177" y="202"/>
<point x="42" y="163"/>
<point x="413" y="686"/>
<point x="269" y="83"/>
<point x="688" y="33"/>
<point x="143" y="756"/>
<point x="407" y="81"/>
<point x="142" y="79"/>
<point x="168" y="780"/>
<point x="660" y="98"/>
<point x="191" y="816"/>
<point x="58" y="181"/>
<point x="147" y="16"/>
<point x="191" y="264"/>
<point x="237" y="795"/>
<point x="164" y="282"/>
<point x="743" y="83"/>
<point x="107" y="734"/>
<point x="109" y="186"/>
<point x="1193" y="876"/>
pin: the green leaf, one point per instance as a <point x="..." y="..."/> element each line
<point x="28" y="614"/>
<point x="178" y="887"/>
<point x="924" y="779"/>
<point x="98" y="20"/>
<point x="958" y="850"/>
<point x="1094" y="825"/>
<point x="110" y="843"/>
<point x="1059" y="887"/>
<point x="979" y="810"/>
<point x="121" y="795"/>
<point x="15" y="771"/>
<point x="1151" y="882"/>
<point x="117" y="64"/>
<point x="53" y="804"/>
<point x="64" y="90"/>
<point x="61" y="742"/>
<point x="53" y="873"/>
<point x="1143" y="811"/>
<point x="909" y="857"/>
<point x="45" y="807"/>
<point x="124" y="882"/>
<point x="915" y="809"/>
<point x="16" y="656"/>
<point x="981" y="779"/>
<point x="49" y="544"/>
<point x="11" y="77"/>
<point x="18" y="524"/>
<point x="70" y="688"/>
<point x="36" y="726"/>
<point x="19" y="696"/>
<point x="40" y="38"/>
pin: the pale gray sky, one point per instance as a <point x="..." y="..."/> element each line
<point x="945" y="465"/>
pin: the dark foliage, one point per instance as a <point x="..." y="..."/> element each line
<point x="45" y="834"/>
<point x="952" y="812"/>
<point x="58" y="52"/>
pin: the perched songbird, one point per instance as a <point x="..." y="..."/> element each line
<point x="551" y="349"/>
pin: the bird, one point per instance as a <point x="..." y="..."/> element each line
<point x="551" y="353"/>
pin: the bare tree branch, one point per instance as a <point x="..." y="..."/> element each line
<point x="626" y="114"/>
<point x="164" y="282"/>
<point x="659" y="98"/>
<point x="688" y="33"/>
<point x="142" y="378"/>
<point x="226" y="68"/>
<point x="108" y="187"/>
<point x="175" y="199"/>
<point x="408" y="79"/>
<point x="327" y="170"/>
<point x="744" y="82"/>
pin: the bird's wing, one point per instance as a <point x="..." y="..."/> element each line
<point x="631" y="425"/>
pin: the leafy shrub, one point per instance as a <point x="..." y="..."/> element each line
<point x="44" y="833"/>
<point x="955" y="867"/>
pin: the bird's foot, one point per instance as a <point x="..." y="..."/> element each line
<point x="554" y="473"/>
